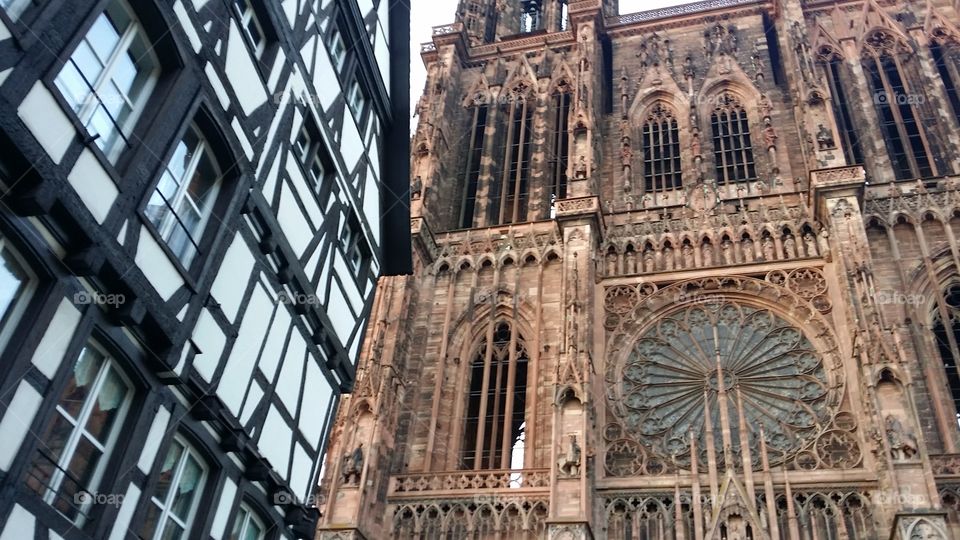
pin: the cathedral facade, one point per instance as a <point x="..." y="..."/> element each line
<point x="689" y="273"/>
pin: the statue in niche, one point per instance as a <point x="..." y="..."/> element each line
<point x="746" y="249"/>
<point x="568" y="464"/>
<point x="353" y="465"/>
<point x="416" y="188"/>
<point x="580" y="171"/>
<point x="789" y="247"/>
<point x="707" y="254"/>
<point x="688" y="258"/>
<point x="823" y="244"/>
<point x="903" y="445"/>
<point x="668" y="258"/>
<point x="695" y="145"/>
<point x="726" y="247"/>
<point x="649" y="263"/>
<point x="825" y="138"/>
<point x="769" y="251"/>
<point x="810" y="242"/>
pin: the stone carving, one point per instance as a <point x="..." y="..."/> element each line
<point x="903" y="445"/>
<point x="353" y="465"/>
<point x="825" y="138"/>
<point x="568" y="464"/>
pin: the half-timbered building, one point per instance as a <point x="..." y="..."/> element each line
<point x="194" y="209"/>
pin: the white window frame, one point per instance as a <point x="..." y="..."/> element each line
<point x="165" y="505"/>
<point x="91" y="102"/>
<point x="15" y="310"/>
<point x="79" y="427"/>
<point x="350" y="244"/>
<point x="310" y="156"/>
<point x="170" y="221"/>
<point x="245" y="516"/>
<point x="338" y="54"/>
<point x="248" y="15"/>
<point x="355" y="99"/>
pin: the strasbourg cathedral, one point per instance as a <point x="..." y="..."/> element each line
<point x="689" y="273"/>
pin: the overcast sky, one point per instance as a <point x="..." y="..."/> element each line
<point x="425" y="14"/>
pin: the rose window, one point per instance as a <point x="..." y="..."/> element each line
<point x="734" y="361"/>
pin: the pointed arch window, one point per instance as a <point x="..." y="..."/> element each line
<point x="832" y="65"/>
<point x="661" y="150"/>
<point x="946" y="56"/>
<point x="496" y="401"/>
<point x="478" y="115"/>
<point x="894" y="102"/>
<point x="511" y="200"/>
<point x="946" y="330"/>
<point x="561" y="140"/>
<point x="732" y="149"/>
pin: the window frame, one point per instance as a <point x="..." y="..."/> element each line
<point x="246" y="16"/>
<point x="353" y="242"/>
<point x="730" y="122"/>
<point x="356" y="99"/>
<point x="246" y="513"/>
<point x="196" y="237"/>
<point x="85" y="110"/>
<point x="16" y="9"/>
<point x="78" y="430"/>
<point x="339" y="60"/>
<point x="188" y="450"/>
<point x="11" y="318"/>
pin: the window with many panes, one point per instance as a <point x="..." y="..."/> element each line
<point x="252" y="28"/>
<point x="355" y="99"/>
<point x="173" y="505"/>
<point x="660" y="140"/>
<point x="353" y="244"/>
<point x="310" y="152"/>
<point x="247" y="526"/>
<point x="338" y="49"/>
<point x="182" y="203"/>
<point x="108" y="78"/>
<point x="15" y="286"/>
<point x="76" y="444"/>
<point x="732" y="149"/>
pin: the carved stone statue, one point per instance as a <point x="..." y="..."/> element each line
<point x="568" y="463"/>
<point x="695" y="144"/>
<point x="353" y="465"/>
<point x="580" y="171"/>
<point x="766" y="108"/>
<point x="811" y="244"/>
<point x="825" y="138"/>
<point x="770" y="135"/>
<point x="823" y="244"/>
<point x="688" y="258"/>
<point x="668" y="258"/>
<point x="789" y="247"/>
<point x="706" y="257"/>
<point x="746" y="249"/>
<point x="766" y="246"/>
<point x="649" y="265"/>
<point x="726" y="249"/>
<point x="416" y="188"/>
<point x="903" y="445"/>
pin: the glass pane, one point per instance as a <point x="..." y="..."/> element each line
<point x="172" y="531"/>
<point x="167" y="470"/>
<point x="157" y="209"/>
<point x="78" y="388"/>
<point x="106" y="409"/>
<point x="71" y="84"/>
<point x="80" y="471"/>
<point x="182" y="155"/>
<point x="254" y="532"/>
<point x="101" y="123"/>
<point x="50" y="449"/>
<point x="103" y="37"/>
<point x="254" y="32"/>
<point x="242" y="517"/>
<point x="13" y="281"/>
<point x="187" y="488"/>
<point x="150" y="521"/>
<point x="124" y="73"/>
<point x="203" y="185"/>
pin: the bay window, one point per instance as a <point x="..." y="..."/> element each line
<point x="177" y="493"/>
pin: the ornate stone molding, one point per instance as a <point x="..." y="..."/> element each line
<point x="517" y="481"/>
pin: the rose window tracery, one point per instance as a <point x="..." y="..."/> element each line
<point x="733" y="361"/>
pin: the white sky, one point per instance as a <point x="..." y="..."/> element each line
<point x="425" y="14"/>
